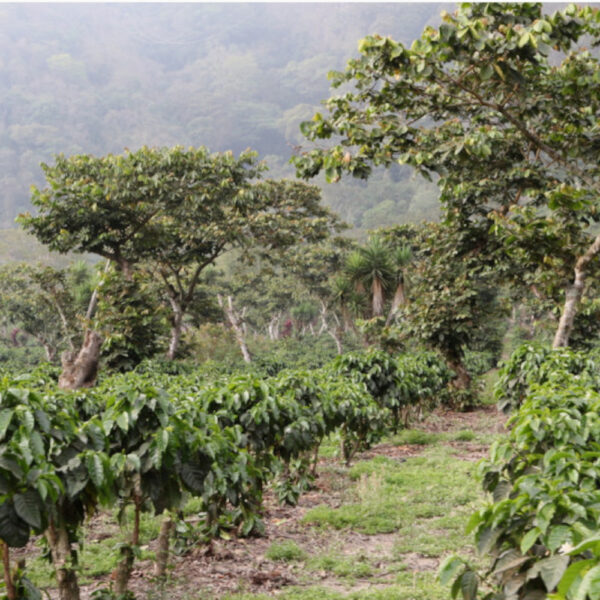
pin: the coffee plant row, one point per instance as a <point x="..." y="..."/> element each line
<point x="144" y="442"/>
<point x="541" y="526"/>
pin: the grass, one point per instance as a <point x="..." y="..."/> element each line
<point x="340" y="565"/>
<point x="285" y="551"/>
<point x="419" y="507"/>
<point x="389" y="496"/>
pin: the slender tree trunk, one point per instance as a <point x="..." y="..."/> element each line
<point x="162" y="551"/>
<point x="11" y="592"/>
<point x="377" y="292"/>
<point x="573" y="296"/>
<point x="94" y="297"/>
<point x="123" y="570"/>
<point x="80" y="370"/>
<point x="336" y="339"/>
<point x="50" y="351"/>
<point x="398" y="301"/>
<point x="60" y="547"/>
<point x="347" y="319"/>
<point x="236" y="320"/>
<point x="176" y="329"/>
<point x="274" y="327"/>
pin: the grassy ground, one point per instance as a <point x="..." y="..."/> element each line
<point x="375" y="531"/>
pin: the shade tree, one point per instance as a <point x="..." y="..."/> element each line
<point x="44" y="302"/>
<point x="499" y="102"/>
<point x="172" y="210"/>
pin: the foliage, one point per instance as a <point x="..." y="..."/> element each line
<point x="41" y="302"/>
<point x="399" y="385"/>
<point x="544" y="480"/>
<point x="149" y="440"/>
<point x="540" y="528"/>
<point x="133" y="323"/>
<point x="172" y="212"/>
<point x="481" y="103"/>
<point x="479" y="363"/>
<point x="537" y="364"/>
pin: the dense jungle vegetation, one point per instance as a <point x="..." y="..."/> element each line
<point x="216" y="345"/>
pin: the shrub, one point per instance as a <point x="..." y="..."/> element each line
<point x="541" y="529"/>
<point x="537" y="364"/>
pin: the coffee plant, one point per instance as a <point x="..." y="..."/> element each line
<point x="541" y="527"/>
<point x="146" y="441"/>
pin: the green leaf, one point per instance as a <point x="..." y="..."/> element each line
<point x="449" y="568"/>
<point x="27" y="506"/>
<point x="486" y="72"/>
<point x="134" y="461"/>
<point x="37" y="444"/>
<point x="529" y="539"/>
<point x="5" y="419"/>
<point x="575" y="570"/>
<point x="510" y="560"/>
<point x="468" y="585"/>
<point x="95" y="469"/>
<point x="486" y="539"/>
<point x="13" y="530"/>
<point x="11" y="465"/>
<point x="122" y="421"/>
<point x="524" y="39"/>
<point x="557" y="536"/>
<point x="587" y="544"/>
<point x="552" y="569"/>
<point x="590" y="585"/>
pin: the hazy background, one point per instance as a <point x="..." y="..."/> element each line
<point x="98" y="78"/>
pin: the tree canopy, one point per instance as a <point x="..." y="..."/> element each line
<point x="500" y="103"/>
<point x="172" y="212"/>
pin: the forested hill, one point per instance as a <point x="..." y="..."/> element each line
<point x="98" y="78"/>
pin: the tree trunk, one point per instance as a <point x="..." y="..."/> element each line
<point x="93" y="304"/>
<point x="236" y="319"/>
<point x="162" y="551"/>
<point x="176" y="329"/>
<point x="122" y="572"/>
<point x="50" y="351"/>
<point x="398" y="301"/>
<point x="347" y="319"/>
<point x="11" y="593"/>
<point x="463" y="379"/>
<point x="80" y="370"/>
<point x="377" y="291"/>
<point x="274" y="327"/>
<point x="573" y="296"/>
<point x="60" y="547"/>
<point x="336" y="339"/>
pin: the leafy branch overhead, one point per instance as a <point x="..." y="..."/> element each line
<point x="500" y="103"/>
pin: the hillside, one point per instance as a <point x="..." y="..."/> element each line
<point x="98" y="78"/>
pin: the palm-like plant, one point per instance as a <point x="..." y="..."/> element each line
<point x="371" y="267"/>
<point x="402" y="258"/>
